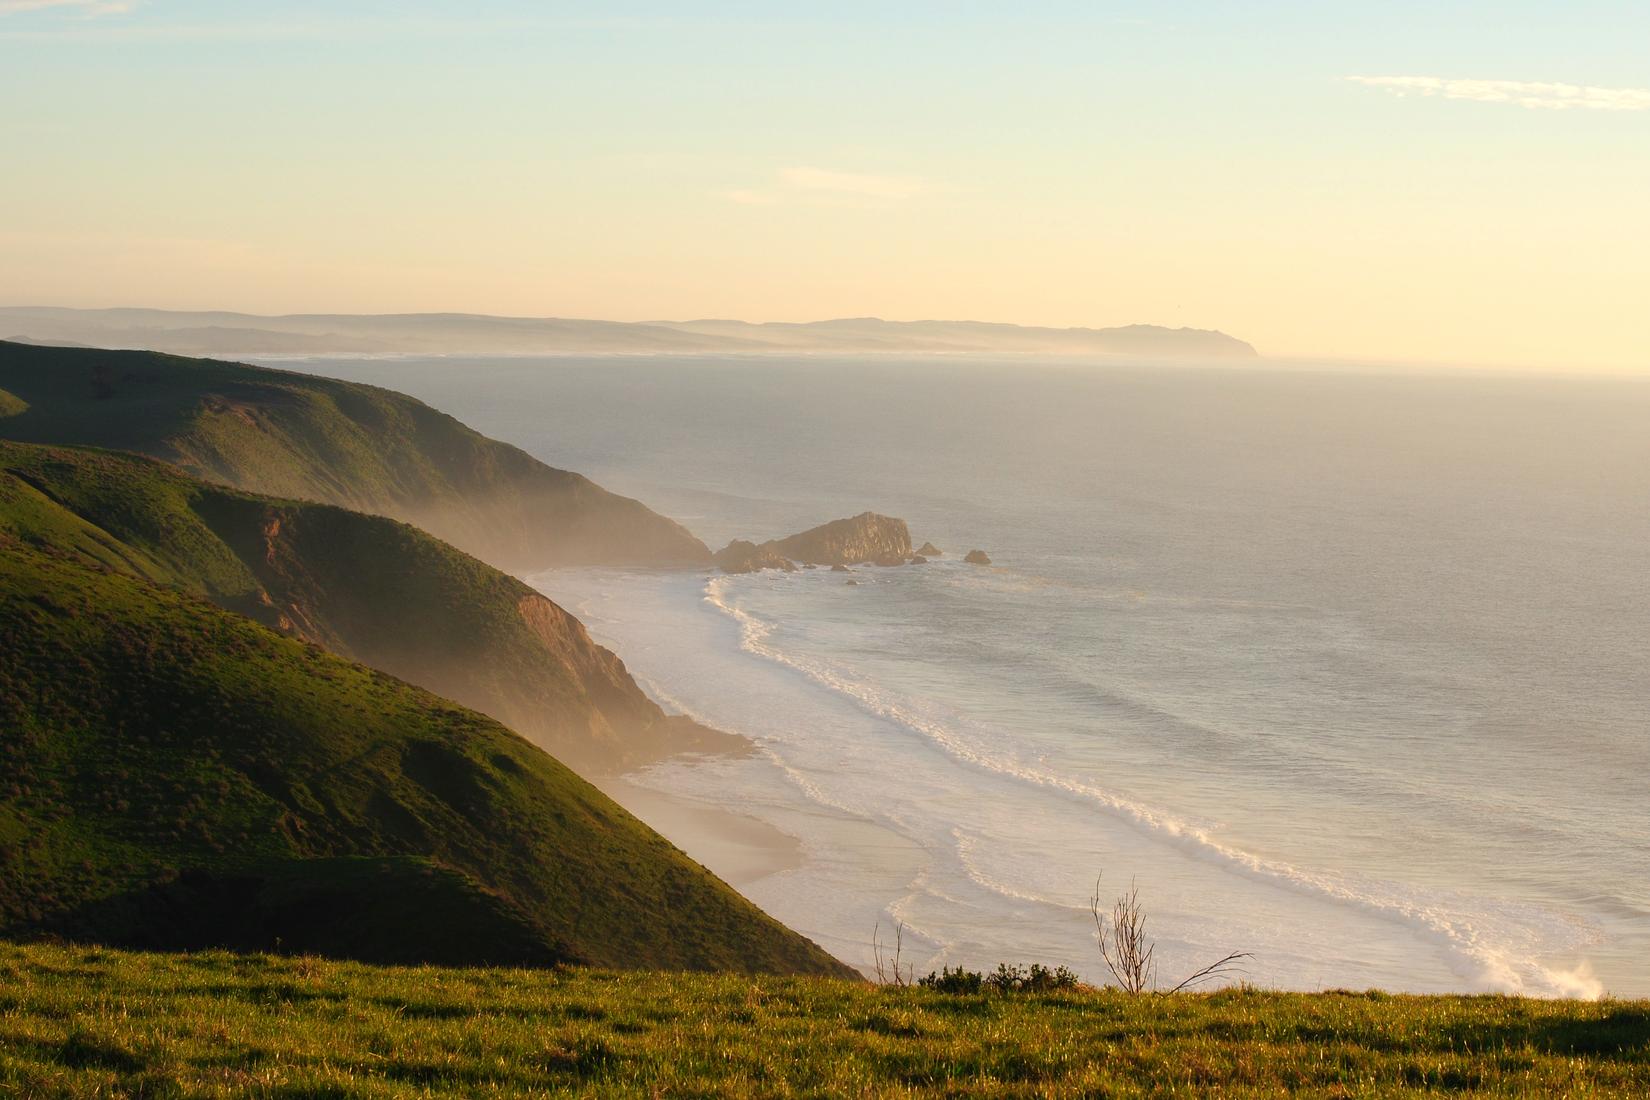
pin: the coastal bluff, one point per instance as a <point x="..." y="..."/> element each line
<point x="868" y="538"/>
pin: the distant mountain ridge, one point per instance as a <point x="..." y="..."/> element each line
<point x="225" y="333"/>
<point x="873" y="334"/>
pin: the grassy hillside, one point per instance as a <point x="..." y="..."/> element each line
<point x="172" y="774"/>
<point x="366" y="587"/>
<point x="76" y="1023"/>
<point x="364" y="448"/>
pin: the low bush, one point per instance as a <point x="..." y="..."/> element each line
<point x="1036" y="978"/>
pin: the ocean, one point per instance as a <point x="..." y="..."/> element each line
<point x="1347" y="669"/>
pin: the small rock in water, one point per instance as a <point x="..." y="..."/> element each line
<point x="929" y="550"/>
<point x="853" y="582"/>
<point x="977" y="557"/>
<point x="918" y="559"/>
<point x="839" y="568"/>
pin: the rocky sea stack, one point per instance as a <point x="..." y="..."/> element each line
<point x="977" y="557"/>
<point x="865" y="538"/>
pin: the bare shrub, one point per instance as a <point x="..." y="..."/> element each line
<point x="1132" y="957"/>
<point x="890" y="967"/>
<point x="1128" y="954"/>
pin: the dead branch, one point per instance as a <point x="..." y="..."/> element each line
<point x="1131" y="957"/>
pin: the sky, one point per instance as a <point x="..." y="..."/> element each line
<point x="1382" y="179"/>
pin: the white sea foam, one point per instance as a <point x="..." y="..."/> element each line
<point x="1491" y="945"/>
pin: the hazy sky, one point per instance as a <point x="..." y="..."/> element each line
<point x="1456" y="181"/>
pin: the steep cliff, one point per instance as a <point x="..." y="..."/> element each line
<point x="365" y="587"/>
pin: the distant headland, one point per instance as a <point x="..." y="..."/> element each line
<point x="222" y="333"/>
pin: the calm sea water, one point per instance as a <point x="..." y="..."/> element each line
<point x="1348" y="670"/>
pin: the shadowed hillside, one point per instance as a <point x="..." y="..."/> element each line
<point x="178" y="776"/>
<point x="366" y="587"/>
<point x="356" y="446"/>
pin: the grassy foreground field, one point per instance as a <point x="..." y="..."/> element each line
<point x="82" y="1022"/>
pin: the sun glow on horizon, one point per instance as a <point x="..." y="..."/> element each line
<point x="1067" y="166"/>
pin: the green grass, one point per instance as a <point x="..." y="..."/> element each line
<point x="360" y="447"/>
<point x="174" y="775"/>
<point x="82" y="1023"/>
<point x="366" y="587"/>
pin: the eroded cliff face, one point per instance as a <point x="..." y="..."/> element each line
<point x="384" y="594"/>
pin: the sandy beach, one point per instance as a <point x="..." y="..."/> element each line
<point x="738" y="848"/>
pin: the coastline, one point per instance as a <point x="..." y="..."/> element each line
<point x="806" y="828"/>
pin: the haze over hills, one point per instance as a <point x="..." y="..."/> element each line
<point x="225" y="333"/>
<point x="359" y="447"/>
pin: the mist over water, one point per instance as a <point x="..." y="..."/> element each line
<point x="1348" y="670"/>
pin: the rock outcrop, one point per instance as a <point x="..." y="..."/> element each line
<point x="744" y="556"/>
<point x="977" y="557"/>
<point x="929" y="550"/>
<point x="865" y="537"/>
